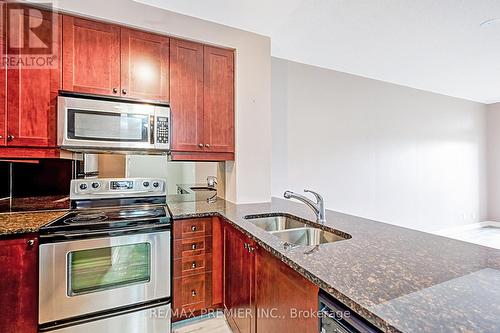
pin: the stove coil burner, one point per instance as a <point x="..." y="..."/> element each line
<point x="84" y="218"/>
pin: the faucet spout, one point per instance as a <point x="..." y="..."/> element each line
<point x="318" y="207"/>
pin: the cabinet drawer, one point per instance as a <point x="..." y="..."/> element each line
<point x="193" y="292"/>
<point x="192" y="265"/>
<point x="192" y="228"/>
<point x="192" y="246"/>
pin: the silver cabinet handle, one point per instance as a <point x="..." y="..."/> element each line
<point x="193" y="246"/>
<point x="193" y="228"/>
<point x="31" y="243"/>
<point x="193" y="265"/>
<point x="10" y="138"/>
<point x="200" y="145"/>
<point x="193" y="293"/>
<point x="115" y="90"/>
<point x="124" y="91"/>
<point x="207" y="145"/>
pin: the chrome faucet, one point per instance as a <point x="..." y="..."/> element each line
<point x="318" y="207"/>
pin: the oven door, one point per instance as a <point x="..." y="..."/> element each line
<point x="94" y="275"/>
<point x="89" y="123"/>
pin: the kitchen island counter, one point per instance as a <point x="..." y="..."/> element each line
<point x="399" y="279"/>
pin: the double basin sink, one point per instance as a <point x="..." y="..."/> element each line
<point x="294" y="231"/>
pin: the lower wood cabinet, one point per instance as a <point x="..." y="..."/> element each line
<point x="239" y="280"/>
<point x="197" y="273"/>
<point x="284" y="300"/>
<point x="19" y="286"/>
<point x="261" y="293"/>
<point x="217" y="266"/>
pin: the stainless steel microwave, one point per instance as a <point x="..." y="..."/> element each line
<point x="91" y="124"/>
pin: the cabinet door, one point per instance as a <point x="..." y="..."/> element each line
<point x="144" y="65"/>
<point x="91" y="56"/>
<point x="32" y="90"/>
<point x="3" y="79"/>
<point x="281" y="294"/>
<point x="238" y="280"/>
<point x="19" y="287"/>
<point x="218" y="113"/>
<point x="186" y="95"/>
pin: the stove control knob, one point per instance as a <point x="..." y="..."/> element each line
<point x="95" y="185"/>
<point x="156" y="184"/>
<point x="83" y="186"/>
<point x="145" y="184"/>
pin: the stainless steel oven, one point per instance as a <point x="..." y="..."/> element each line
<point x="89" y="123"/>
<point x="105" y="266"/>
<point x="87" y="276"/>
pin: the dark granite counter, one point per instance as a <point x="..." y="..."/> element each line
<point x="19" y="223"/>
<point x="399" y="279"/>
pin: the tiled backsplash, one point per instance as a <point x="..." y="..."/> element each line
<point x="35" y="186"/>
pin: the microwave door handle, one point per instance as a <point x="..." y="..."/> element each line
<point x="152" y="130"/>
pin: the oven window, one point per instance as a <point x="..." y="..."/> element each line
<point x="107" y="126"/>
<point x="109" y="267"/>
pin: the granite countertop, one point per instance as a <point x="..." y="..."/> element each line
<point x="399" y="279"/>
<point x="18" y="223"/>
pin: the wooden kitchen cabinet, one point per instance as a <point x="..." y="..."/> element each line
<point x="32" y="91"/>
<point x="186" y="92"/>
<point x="91" y="56"/>
<point x="261" y="293"/>
<point x="3" y="79"/>
<point x="144" y="65"/>
<point x="239" y="280"/>
<point x="202" y="101"/>
<point x="29" y="84"/>
<point x="218" y="100"/>
<point x="106" y="59"/>
<point x="19" y="287"/>
<point x="197" y="268"/>
<point x="281" y="294"/>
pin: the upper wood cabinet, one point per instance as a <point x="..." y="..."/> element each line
<point x="19" y="287"/>
<point x="202" y="101"/>
<point x="144" y="65"/>
<point x="186" y="92"/>
<point x="218" y="100"/>
<point x="91" y="56"/>
<point x="105" y="59"/>
<point x="31" y="90"/>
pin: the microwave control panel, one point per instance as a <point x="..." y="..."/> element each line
<point x="162" y="129"/>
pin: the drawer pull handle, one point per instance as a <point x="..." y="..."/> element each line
<point x="193" y="228"/>
<point x="193" y="246"/>
<point x="193" y="293"/>
<point x="193" y="265"/>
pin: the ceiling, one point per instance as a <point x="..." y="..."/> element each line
<point x="433" y="45"/>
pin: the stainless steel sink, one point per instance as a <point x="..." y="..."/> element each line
<point x="307" y="236"/>
<point x="294" y="231"/>
<point x="275" y="223"/>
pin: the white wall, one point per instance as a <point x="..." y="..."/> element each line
<point x="493" y="153"/>
<point x="378" y="150"/>
<point x="248" y="178"/>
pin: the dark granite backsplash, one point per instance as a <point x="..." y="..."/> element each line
<point x="42" y="185"/>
